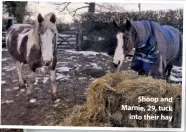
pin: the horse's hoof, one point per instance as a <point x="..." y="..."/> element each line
<point x="54" y="98"/>
<point x="22" y="86"/>
<point x="57" y="100"/>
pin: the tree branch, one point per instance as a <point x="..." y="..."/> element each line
<point x="74" y="12"/>
<point x="65" y="7"/>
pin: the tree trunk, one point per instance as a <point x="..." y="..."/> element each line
<point x="91" y="8"/>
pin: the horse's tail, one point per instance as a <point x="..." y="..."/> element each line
<point x="180" y="52"/>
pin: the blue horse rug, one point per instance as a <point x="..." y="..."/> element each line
<point x="155" y="40"/>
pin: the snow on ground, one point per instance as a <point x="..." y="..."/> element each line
<point x="95" y="66"/>
<point x="9" y="68"/>
<point x="176" y="74"/>
<point x="36" y="81"/>
<point x="61" y="76"/>
<point x="3" y="82"/>
<point x="173" y="78"/>
<point x="45" y="79"/>
<point x="4" y="49"/>
<point x="63" y="69"/>
<point x="177" y="68"/>
<point x="7" y="102"/>
<point x="86" y="53"/>
<point x="16" y="88"/>
<point x="5" y="59"/>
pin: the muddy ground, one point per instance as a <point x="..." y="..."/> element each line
<point x="75" y="71"/>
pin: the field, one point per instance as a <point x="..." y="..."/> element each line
<point x="75" y="71"/>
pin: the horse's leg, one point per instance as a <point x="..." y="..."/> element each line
<point x="53" y="85"/>
<point x="119" y="67"/>
<point x="30" y="89"/>
<point x="168" y="71"/>
<point x="19" y="72"/>
<point x="157" y="68"/>
<point x="143" y="73"/>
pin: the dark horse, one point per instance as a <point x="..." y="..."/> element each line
<point x="157" y="47"/>
<point x="35" y="46"/>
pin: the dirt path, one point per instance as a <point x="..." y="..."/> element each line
<point x="75" y="71"/>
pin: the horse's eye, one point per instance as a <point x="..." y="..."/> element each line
<point x="126" y="38"/>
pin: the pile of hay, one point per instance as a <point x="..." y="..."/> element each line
<point x="108" y="93"/>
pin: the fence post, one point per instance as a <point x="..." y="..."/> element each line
<point x="77" y="41"/>
<point x="80" y="39"/>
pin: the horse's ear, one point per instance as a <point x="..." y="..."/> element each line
<point x="40" y="18"/>
<point x="115" y="24"/>
<point x="128" y="25"/>
<point x="53" y="18"/>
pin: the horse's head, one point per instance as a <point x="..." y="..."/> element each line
<point x="125" y="36"/>
<point x="47" y="32"/>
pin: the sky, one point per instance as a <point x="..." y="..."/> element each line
<point x="46" y="7"/>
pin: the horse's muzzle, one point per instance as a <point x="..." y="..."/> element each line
<point x="47" y="63"/>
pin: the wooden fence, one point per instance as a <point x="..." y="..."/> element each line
<point x="71" y="39"/>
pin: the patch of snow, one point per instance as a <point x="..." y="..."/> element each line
<point x="7" y="102"/>
<point x="177" y="68"/>
<point x="128" y="59"/>
<point x="32" y="100"/>
<point x="100" y="38"/>
<point x="45" y="80"/>
<point x="63" y="69"/>
<point x="43" y="69"/>
<point x="95" y="66"/>
<point x="57" y="100"/>
<point x="62" y="63"/>
<point x="82" y="78"/>
<point x="86" y="53"/>
<point x="5" y="59"/>
<point x="61" y="76"/>
<point x="176" y="74"/>
<point x="7" y="90"/>
<point x="3" y="82"/>
<point x="14" y="81"/>
<point x="4" y="49"/>
<point x="71" y="57"/>
<point x="22" y="90"/>
<point x="9" y="68"/>
<point x="77" y="65"/>
<point x="172" y="78"/>
<point x="36" y="81"/>
<point x="16" y="88"/>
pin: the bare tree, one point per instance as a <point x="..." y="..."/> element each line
<point x="92" y="7"/>
<point x="64" y="7"/>
<point x="109" y="7"/>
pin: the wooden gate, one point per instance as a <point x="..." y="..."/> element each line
<point x="71" y="39"/>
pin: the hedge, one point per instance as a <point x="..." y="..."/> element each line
<point x="100" y="24"/>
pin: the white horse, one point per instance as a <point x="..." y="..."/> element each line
<point x="35" y="46"/>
